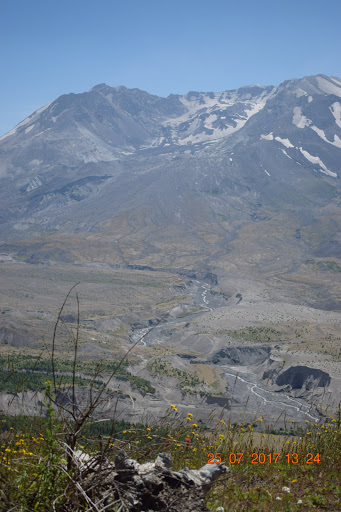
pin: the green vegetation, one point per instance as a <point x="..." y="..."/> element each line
<point x="16" y="382"/>
<point x="291" y="472"/>
<point x="257" y="334"/>
<point x="20" y="257"/>
<point x="187" y="313"/>
<point x="222" y="217"/>
<point x="188" y="382"/>
<point x="139" y="383"/>
<point x="25" y="372"/>
<point x="325" y="265"/>
<point x="92" y="430"/>
<point x="296" y="469"/>
<point x="50" y="232"/>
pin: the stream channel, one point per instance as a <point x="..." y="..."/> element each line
<point x="246" y="389"/>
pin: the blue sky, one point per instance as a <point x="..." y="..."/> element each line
<point x="53" y="47"/>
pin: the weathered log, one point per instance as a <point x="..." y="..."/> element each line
<point x="148" y="487"/>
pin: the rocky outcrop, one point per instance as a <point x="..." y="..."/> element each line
<point x="303" y="377"/>
<point x="14" y="338"/>
<point x="241" y="355"/>
<point x="220" y="294"/>
<point x="221" y="401"/>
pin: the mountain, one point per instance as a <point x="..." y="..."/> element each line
<point x="213" y="217"/>
<point x="122" y="176"/>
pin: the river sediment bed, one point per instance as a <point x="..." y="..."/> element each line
<point x="226" y="344"/>
<point x="256" y="374"/>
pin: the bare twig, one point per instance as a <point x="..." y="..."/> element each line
<point x="75" y="357"/>
<point x="54" y="335"/>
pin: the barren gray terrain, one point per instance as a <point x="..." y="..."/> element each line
<point x="207" y="226"/>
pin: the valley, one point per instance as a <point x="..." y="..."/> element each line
<point x="201" y="345"/>
<point x="203" y="231"/>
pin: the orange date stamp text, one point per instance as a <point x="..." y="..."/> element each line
<point x="264" y="458"/>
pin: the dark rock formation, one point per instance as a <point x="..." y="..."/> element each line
<point x="241" y="355"/>
<point x="299" y="377"/>
<point x="222" y="401"/>
<point x="220" y="294"/>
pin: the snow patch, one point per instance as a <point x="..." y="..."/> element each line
<point x="40" y="133"/>
<point x="299" y="119"/>
<point x="310" y="99"/>
<point x="27" y="120"/>
<point x="336" y="80"/>
<point x="317" y="160"/>
<point x="54" y="119"/>
<point x="336" y="111"/>
<point x="29" y="128"/>
<point x="8" y="134"/>
<point x="320" y="133"/>
<point x="300" y="92"/>
<point x="329" y="87"/>
<point x="199" y="104"/>
<point x="210" y="120"/>
<point x="285" y="142"/>
<point x="268" y="136"/>
<point x="285" y="153"/>
<point x="34" y="183"/>
<point x="337" y="141"/>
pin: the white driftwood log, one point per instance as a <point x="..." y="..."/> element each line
<point x="148" y="487"/>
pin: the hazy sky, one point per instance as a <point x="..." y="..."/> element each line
<point x="53" y="47"/>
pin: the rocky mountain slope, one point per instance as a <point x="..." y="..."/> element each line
<point x="243" y="181"/>
<point x="219" y="210"/>
<point x="143" y="174"/>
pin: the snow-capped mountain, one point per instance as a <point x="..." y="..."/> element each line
<point x="106" y="122"/>
<point x="158" y="170"/>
